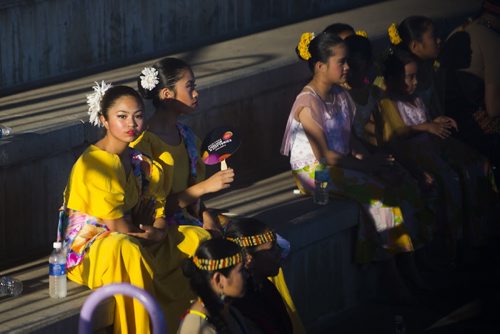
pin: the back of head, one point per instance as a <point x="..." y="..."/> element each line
<point x="412" y="29"/>
<point x="394" y="70"/>
<point x="317" y="49"/>
<point x="456" y="52"/>
<point x="340" y="29"/>
<point x="359" y="47"/>
<point x="168" y="72"/>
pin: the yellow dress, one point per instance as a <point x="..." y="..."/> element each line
<point x="179" y="174"/>
<point x="175" y="163"/>
<point x="280" y="284"/>
<point x="173" y="159"/>
<point x="99" y="189"/>
<point x="393" y="126"/>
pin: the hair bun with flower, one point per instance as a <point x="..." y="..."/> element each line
<point x="394" y="34"/>
<point x="149" y="78"/>
<point x="362" y="33"/>
<point x="303" y="46"/>
<point x="94" y="102"/>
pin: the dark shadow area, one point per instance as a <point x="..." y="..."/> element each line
<point x="310" y="11"/>
<point x="463" y="299"/>
<point x="206" y="69"/>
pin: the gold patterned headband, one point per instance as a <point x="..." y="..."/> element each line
<point x="217" y="264"/>
<point x="254" y="240"/>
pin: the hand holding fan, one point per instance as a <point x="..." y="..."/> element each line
<point x="219" y="145"/>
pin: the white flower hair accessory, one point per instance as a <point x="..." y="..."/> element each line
<point x="94" y="102"/>
<point x="149" y="78"/>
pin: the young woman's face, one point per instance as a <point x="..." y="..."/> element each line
<point x="410" y="78"/>
<point x="266" y="260"/>
<point x="125" y="119"/>
<point x="234" y="284"/>
<point x="185" y="89"/>
<point x="428" y="47"/>
<point x="336" y="67"/>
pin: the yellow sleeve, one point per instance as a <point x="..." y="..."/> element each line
<point x="380" y="83"/>
<point x="147" y="144"/>
<point x="165" y="159"/>
<point x="96" y="185"/>
<point x="200" y="166"/>
<point x="156" y="189"/>
<point x="280" y="284"/>
<point x="392" y="124"/>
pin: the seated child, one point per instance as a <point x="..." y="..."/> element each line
<point x="218" y="276"/>
<point x="270" y="308"/>
<point x="409" y="131"/>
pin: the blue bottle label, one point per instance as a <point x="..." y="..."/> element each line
<point x="56" y="269"/>
<point x="322" y="175"/>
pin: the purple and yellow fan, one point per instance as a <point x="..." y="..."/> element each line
<point x="219" y="145"/>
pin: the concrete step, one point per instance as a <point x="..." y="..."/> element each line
<point x="35" y="312"/>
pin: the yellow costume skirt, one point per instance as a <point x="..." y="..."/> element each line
<point x="280" y="284"/>
<point x="119" y="258"/>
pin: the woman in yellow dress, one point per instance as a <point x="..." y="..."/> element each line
<point x="112" y="221"/>
<point x="170" y="84"/>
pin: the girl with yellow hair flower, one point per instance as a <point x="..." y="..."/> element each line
<point x="319" y="136"/>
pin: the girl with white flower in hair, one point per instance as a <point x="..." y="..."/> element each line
<point x="112" y="222"/>
<point x="97" y="214"/>
<point x="170" y="84"/>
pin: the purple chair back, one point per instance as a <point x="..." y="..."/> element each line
<point x="154" y="310"/>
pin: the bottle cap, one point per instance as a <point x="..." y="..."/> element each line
<point x="57" y="245"/>
<point x="5" y="131"/>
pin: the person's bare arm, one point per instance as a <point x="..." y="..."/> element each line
<point x="492" y="99"/>
<point x="218" y="181"/>
<point x="321" y="151"/>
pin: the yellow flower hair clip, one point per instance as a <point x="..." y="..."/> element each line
<point x="394" y="34"/>
<point x="303" y="47"/>
<point x="436" y="65"/>
<point x="362" y="33"/>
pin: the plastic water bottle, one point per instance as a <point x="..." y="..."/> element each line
<point x="321" y="178"/>
<point x="5" y="131"/>
<point x="399" y="325"/>
<point x="57" y="272"/>
<point x="10" y="286"/>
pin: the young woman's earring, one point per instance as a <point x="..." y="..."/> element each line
<point x="222" y="296"/>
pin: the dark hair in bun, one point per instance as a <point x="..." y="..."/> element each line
<point x="170" y="71"/>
